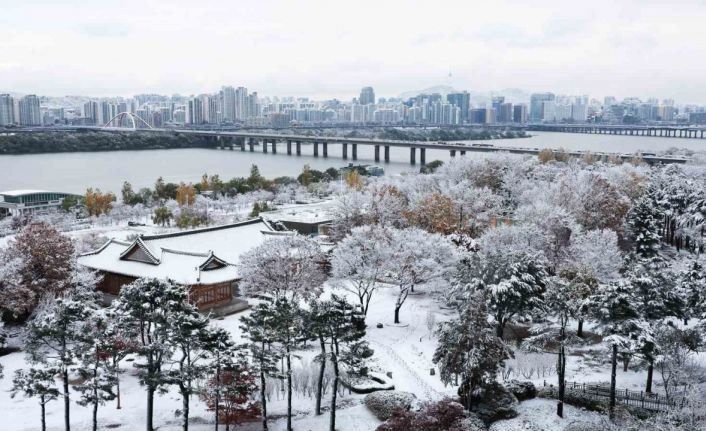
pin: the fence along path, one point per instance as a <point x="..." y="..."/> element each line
<point x="643" y="400"/>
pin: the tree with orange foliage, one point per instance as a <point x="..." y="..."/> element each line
<point x="98" y="203"/>
<point x="435" y="213"/>
<point x="229" y="394"/>
<point x="186" y="194"/>
<point x="353" y="179"/>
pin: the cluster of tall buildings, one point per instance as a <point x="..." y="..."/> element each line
<point x="238" y="106"/>
<point x="25" y="111"/>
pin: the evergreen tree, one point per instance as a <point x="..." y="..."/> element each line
<point x="345" y="330"/>
<point x="59" y="335"/>
<point x="222" y="354"/>
<point x="143" y="312"/>
<point x="189" y="337"/>
<point x="692" y="286"/>
<point x="36" y="382"/>
<point x="645" y="222"/>
<point x="469" y="348"/>
<point x="260" y="328"/>
<point x="98" y="378"/>
<point x="115" y="347"/>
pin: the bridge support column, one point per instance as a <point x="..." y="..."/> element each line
<point x="423" y="156"/>
<point x="251" y="144"/>
<point x="299" y="148"/>
<point x="354" y="148"/>
<point x="264" y="145"/>
<point x="377" y="153"/>
<point x="325" y="147"/>
<point x="289" y="147"/>
<point x="453" y="153"/>
<point x="387" y="154"/>
<point x="344" y="151"/>
<point x="274" y="146"/>
<point x="463" y="153"/>
<point x="412" y="156"/>
<point x="316" y="149"/>
<point x="242" y="143"/>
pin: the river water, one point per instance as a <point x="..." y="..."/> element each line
<point x="74" y="172"/>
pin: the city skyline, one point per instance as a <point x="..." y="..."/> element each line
<point x="287" y="49"/>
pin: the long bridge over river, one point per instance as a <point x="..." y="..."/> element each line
<point x="292" y="144"/>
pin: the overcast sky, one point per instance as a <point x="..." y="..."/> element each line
<point x="332" y="48"/>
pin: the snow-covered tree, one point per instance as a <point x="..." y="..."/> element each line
<point x="115" y="347"/>
<point x="692" y="287"/>
<point x="190" y="339"/>
<point x="143" y="312"/>
<point x="37" y="382"/>
<point x="416" y="257"/>
<point x="344" y="329"/>
<point x="469" y="348"/>
<point x="59" y="335"/>
<point x="514" y="282"/>
<point x="37" y="262"/>
<point x="98" y="378"/>
<point x="224" y="355"/>
<point x="288" y="266"/>
<point x="359" y="260"/>
<point x="260" y="329"/>
<point x="645" y="223"/>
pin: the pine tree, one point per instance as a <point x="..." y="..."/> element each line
<point x="98" y="378"/>
<point x="59" y="335"/>
<point x="115" y="347"/>
<point x="692" y="286"/>
<point x="260" y="329"/>
<point x="36" y="382"/>
<point x="222" y="354"/>
<point x="288" y="334"/>
<point x="345" y="328"/>
<point x="469" y="348"/>
<point x="143" y="313"/>
<point x="645" y="222"/>
<point x="189" y="337"/>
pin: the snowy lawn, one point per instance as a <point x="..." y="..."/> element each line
<point x="540" y="415"/>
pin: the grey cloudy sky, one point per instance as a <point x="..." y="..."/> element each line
<point x="332" y="48"/>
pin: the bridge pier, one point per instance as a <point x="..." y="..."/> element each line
<point x="264" y="145"/>
<point x="387" y="154"/>
<point x="423" y="156"/>
<point x="413" y="156"/>
<point x="242" y="144"/>
<point x="251" y="144"/>
<point x="453" y="153"/>
<point x="289" y="147"/>
<point x="274" y="146"/>
<point x="316" y="149"/>
<point x="377" y="153"/>
<point x="325" y="147"/>
<point x="354" y="148"/>
<point x="344" y="151"/>
<point x="463" y="152"/>
<point x="299" y="148"/>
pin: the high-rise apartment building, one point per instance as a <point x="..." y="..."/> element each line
<point x="519" y="114"/>
<point x="194" y="111"/>
<point x="504" y="113"/>
<point x="537" y="101"/>
<point x="462" y="101"/>
<point x="367" y="96"/>
<point x="30" y="114"/>
<point x="241" y="103"/>
<point x="7" y="110"/>
<point x="90" y="112"/>
<point x="229" y="104"/>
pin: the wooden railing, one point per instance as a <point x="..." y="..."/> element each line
<point x="640" y="399"/>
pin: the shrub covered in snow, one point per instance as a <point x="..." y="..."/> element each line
<point x="446" y="415"/>
<point x="521" y="390"/>
<point x="384" y="403"/>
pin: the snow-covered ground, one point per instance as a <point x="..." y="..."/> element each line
<point x="405" y="350"/>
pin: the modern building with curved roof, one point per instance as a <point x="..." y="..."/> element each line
<point x="19" y="202"/>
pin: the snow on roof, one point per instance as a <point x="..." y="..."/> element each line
<point x="182" y="256"/>
<point x="315" y="213"/>
<point x="23" y="192"/>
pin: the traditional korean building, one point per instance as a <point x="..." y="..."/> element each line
<point x="205" y="259"/>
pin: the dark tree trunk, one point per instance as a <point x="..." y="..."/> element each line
<point x="626" y="362"/>
<point x="117" y="382"/>
<point x="650" y="370"/>
<point x="42" y="403"/>
<point x="397" y="313"/>
<point x="334" y="393"/>
<point x="264" y="399"/>
<point x="562" y="378"/>
<point x="322" y="370"/>
<point x="579" y="332"/>
<point x="95" y="396"/>
<point x="150" y="407"/>
<point x="185" y="407"/>
<point x="499" y="329"/>
<point x="218" y="388"/>
<point x="67" y="401"/>
<point x="289" y="391"/>
<point x="613" y="368"/>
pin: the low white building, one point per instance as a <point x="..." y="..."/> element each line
<point x="18" y="202"/>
